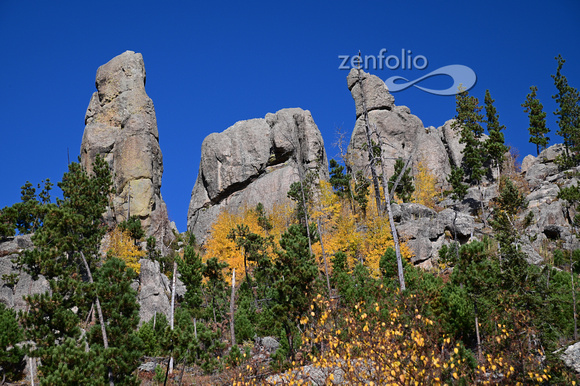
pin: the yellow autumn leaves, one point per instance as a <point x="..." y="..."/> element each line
<point x="122" y="246"/>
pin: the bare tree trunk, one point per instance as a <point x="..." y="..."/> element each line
<point x="32" y="366"/>
<point x="232" y="330"/>
<point x="172" y="309"/>
<point x="100" y="313"/>
<point x="479" y="354"/>
<point x="324" y="257"/>
<point x="395" y="236"/>
<point x="574" y="299"/>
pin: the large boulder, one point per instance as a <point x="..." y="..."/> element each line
<point x="400" y="132"/>
<point x="15" y="283"/>
<point x="121" y="127"/>
<point x="254" y="161"/>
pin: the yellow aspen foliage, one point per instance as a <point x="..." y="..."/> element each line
<point x="378" y="238"/>
<point x="361" y="239"/>
<point x="425" y="185"/>
<point x="224" y="249"/>
<point x="122" y="246"/>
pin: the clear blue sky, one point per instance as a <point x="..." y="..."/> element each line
<point x="212" y="63"/>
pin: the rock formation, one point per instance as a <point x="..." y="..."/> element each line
<point x="254" y="161"/>
<point x="121" y="127"/>
<point x="15" y="283"/>
<point x="401" y="132"/>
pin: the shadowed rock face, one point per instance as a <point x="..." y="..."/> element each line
<point x="121" y="127"/>
<point x="254" y="161"/>
<point x="399" y="130"/>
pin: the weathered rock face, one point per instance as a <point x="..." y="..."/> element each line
<point x="154" y="294"/>
<point x="400" y="131"/>
<point x="552" y="216"/>
<point x="424" y="230"/>
<point x="12" y="292"/>
<point x="121" y="127"/>
<point x="254" y="161"/>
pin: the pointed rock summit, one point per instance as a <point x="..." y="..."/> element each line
<point x="401" y="132"/>
<point x="121" y="127"/>
<point x="254" y="161"/>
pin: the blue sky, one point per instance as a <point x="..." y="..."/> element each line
<point x="210" y="64"/>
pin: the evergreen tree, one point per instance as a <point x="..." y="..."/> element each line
<point x="571" y="195"/>
<point x="459" y="189"/>
<point x="339" y="180"/>
<point x="405" y="188"/>
<point x="538" y="130"/>
<point x="216" y="285"/>
<point x="66" y="253"/>
<point x="295" y="273"/>
<point x="191" y="269"/>
<point x="495" y="143"/>
<point x="26" y="216"/>
<point x="263" y="219"/>
<point x="121" y="314"/>
<point x="361" y="190"/>
<point x="468" y="121"/>
<point x="509" y="203"/>
<point x="11" y="354"/>
<point x="568" y="114"/>
<point x="133" y="226"/>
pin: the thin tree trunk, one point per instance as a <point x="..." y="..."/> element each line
<point x="479" y="354"/>
<point x="172" y="309"/>
<point x="32" y="366"/>
<point x="395" y="236"/>
<point x="232" y="330"/>
<point x="574" y="299"/>
<point x="482" y="209"/>
<point x="324" y="257"/>
<point x="300" y="172"/>
<point x="100" y="313"/>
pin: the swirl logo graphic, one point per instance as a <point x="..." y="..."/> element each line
<point x="462" y="76"/>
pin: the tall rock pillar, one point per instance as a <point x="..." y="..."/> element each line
<point x="121" y="127"/>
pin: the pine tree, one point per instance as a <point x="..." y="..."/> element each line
<point x="26" y="216"/>
<point x="295" y="274"/>
<point x="468" y="122"/>
<point x="494" y="145"/>
<point x="121" y="314"/>
<point x="66" y="253"/>
<point x="568" y="114"/>
<point x="191" y="269"/>
<point x="361" y="189"/>
<point x="405" y="188"/>
<point x="11" y="354"/>
<point x="538" y="130"/>
<point x="339" y="180"/>
<point x="456" y="180"/>
<point x="216" y="285"/>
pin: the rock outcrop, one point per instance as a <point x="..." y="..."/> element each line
<point x="254" y="161"/>
<point x="121" y="127"/>
<point x="424" y="230"/>
<point x="552" y="216"/>
<point x="400" y="132"/>
<point x="15" y="283"/>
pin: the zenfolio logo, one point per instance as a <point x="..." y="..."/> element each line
<point x="462" y="76"/>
